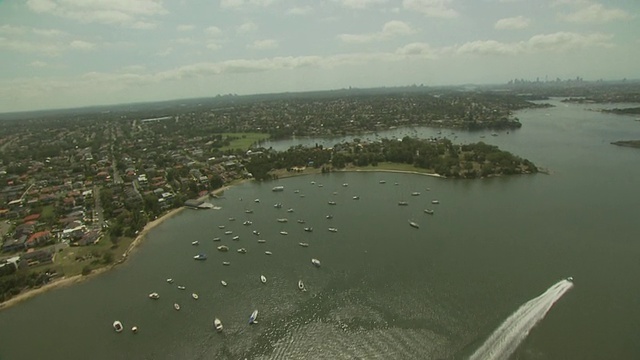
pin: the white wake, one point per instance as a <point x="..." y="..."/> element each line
<point x="505" y="340"/>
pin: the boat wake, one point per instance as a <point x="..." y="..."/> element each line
<point x="505" y="340"/>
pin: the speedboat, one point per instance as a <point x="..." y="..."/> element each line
<point x="283" y="220"/>
<point x="117" y="326"/>
<point x="195" y="242"/>
<point x="284" y="233"/>
<point x="194" y="296"/>
<point x="333" y="229"/>
<point x="242" y="251"/>
<point x="176" y="306"/>
<point x="315" y="262"/>
<point x="154" y="295"/>
<point x="403" y="203"/>
<point x="224" y="283"/>
<point x="226" y="263"/>
<point x="217" y="324"/>
<point x="301" y="285"/>
<point x="263" y="279"/>
<point x="428" y="211"/>
<point x="216" y="239"/>
<point x="180" y="287"/>
<point x="268" y="253"/>
<point x="223" y="248"/>
<point x="570" y="278"/>
<point x="308" y="229"/>
<point x="253" y="317"/>
<point x="413" y="224"/>
<point x="200" y="257"/>
<point x="236" y="238"/>
<point x="303" y="244"/>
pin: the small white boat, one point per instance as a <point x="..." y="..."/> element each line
<point x="296" y="191"/>
<point x="256" y="200"/>
<point x="253" y="317"/>
<point x="224" y="283"/>
<point x="283" y="220"/>
<point x="345" y="184"/>
<point x="303" y="244"/>
<point x="308" y="229"/>
<point x="170" y="280"/>
<point x="232" y="219"/>
<point x="200" y="257"/>
<point x="428" y="211"/>
<point x="195" y="296"/>
<point x="570" y="278"/>
<point x="180" y="287"/>
<point x="195" y="242"/>
<point x="223" y="248"/>
<point x="176" y="306"/>
<point x="117" y="326"/>
<point x="228" y="232"/>
<point x="256" y="232"/>
<point x="236" y="238"/>
<point x="277" y="206"/>
<point x="216" y="239"/>
<point x="315" y="262"/>
<point x="382" y="182"/>
<point x="226" y="263"/>
<point x="301" y="285"/>
<point x="290" y="210"/>
<point x="329" y="216"/>
<point x="242" y="251"/>
<point x="134" y="329"/>
<point x="356" y="197"/>
<point x="402" y="203"/>
<point x="333" y="229"/>
<point x="221" y="226"/>
<point x="332" y="202"/>
<point x="263" y="279"/>
<point x="284" y="233"/>
<point x="415" y="193"/>
<point x="435" y="202"/>
<point x="268" y="253"/>
<point x="278" y="188"/>
<point x="301" y="221"/>
<point x="262" y="241"/>
<point x="154" y="295"/>
<point x="217" y="324"/>
<point x="414" y="225"/>
<point x="249" y="211"/>
<point x="247" y="223"/>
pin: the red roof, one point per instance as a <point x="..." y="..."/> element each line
<point x="31" y="217"/>
<point x="37" y="235"/>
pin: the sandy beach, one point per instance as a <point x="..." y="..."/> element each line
<point x="67" y="281"/>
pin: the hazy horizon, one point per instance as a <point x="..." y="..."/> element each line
<point x="60" y="54"/>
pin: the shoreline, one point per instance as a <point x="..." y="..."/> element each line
<point x="68" y="281"/>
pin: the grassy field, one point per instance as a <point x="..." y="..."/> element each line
<point x="245" y="140"/>
<point x="71" y="260"/>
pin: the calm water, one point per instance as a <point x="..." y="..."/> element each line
<point x="385" y="290"/>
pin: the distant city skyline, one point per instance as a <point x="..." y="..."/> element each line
<point x="75" y="53"/>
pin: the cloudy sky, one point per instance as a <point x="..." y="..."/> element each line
<point x="69" y="53"/>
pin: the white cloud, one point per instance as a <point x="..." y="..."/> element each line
<point x="360" y="4"/>
<point x="389" y="30"/>
<point x="417" y="49"/>
<point x="81" y="45"/>
<point x="48" y="32"/>
<point x="556" y="42"/>
<point x="38" y="64"/>
<point x="133" y="14"/>
<point x="263" y="44"/>
<point x="595" y="14"/>
<point x="300" y="10"/>
<point x="431" y="8"/>
<point x="512" y="23"/>
<point x="247" y="27"/>
<point x="24" y="46"/>
<point x="213" y="31"/>
<point x="239" y="4"/>
<point x="183" y="28"/>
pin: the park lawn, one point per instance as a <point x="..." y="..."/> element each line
<point x="245" y="140"/>
<point x="71" y="260"/>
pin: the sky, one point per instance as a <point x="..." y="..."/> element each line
<point x="74" y="53"/>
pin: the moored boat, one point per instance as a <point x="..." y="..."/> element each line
<point x="242" y="251"/>
<point x="283" y="220"/>
<point x="263" y="279"/>
<point x="268" y="253"/>
<point x="228" y="232"/>
<point x="200" y="257"/>
<point x="256" y="232"/>
<point x="170" y="280"/>
<point x="117" y="326"/>
<point x="195" y="242"/>
<point x="428" y="211"/>
<point x="277" y="188"/>
<point x="253" y="317"/>
<point x="236" y="238"/>
<point x="415" y="193"/>
<point x="180" y="287"/>
<point x="315" y="262"/>
<point x="194" y="296"/>
<point x="216" y="239"/>
<point x="414" y="224"/>
<point x="333" y="229"/>
<point x="224" y="283"/>
<point x="308" y="229"/>
<point x="303" y="244"/>
<point x="284" y="233"/>
<point x="435" y="202"/>
<point x="217" y="324"/>
<point x="262" y="241"/>
<point x="176" y="306"/>
<point x="301" y="285"/>
<point x="154" y="295"/>
<point x="332" y="202"/>
<point x="226" y="263"/>
<point x="403" y="203"/>
<point x="223" y="248"/>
